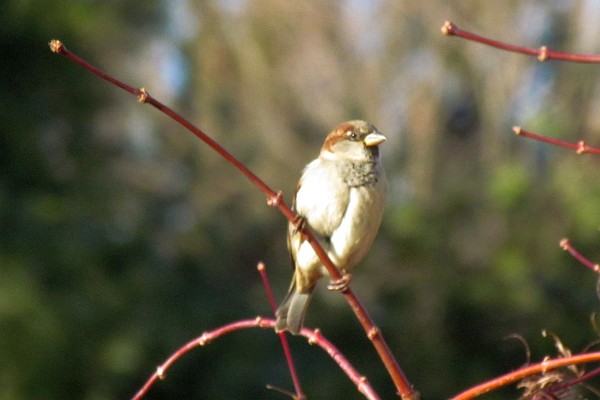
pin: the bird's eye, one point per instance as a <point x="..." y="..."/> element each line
<point x="353" y="136"/>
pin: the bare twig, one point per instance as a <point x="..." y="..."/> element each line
<point x="565" y="244"/>
<point x="275" y="199"/>
<point x="514" y="376"/>
<point x="314" y="337"/>
<point x="361" y="382"/>
<point x="580" y="147"/>
<point x="575" y="381"/>
<point x="542" y="53"/>
<point x="282" y="336"/>
<point x="567" y="360"/>
<point x="205" y="338"/>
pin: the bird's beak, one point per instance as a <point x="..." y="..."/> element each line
<point x="373" y="139"/>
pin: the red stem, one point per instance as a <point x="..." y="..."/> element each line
<point x="542" y="54"/>
<point x="204" y="339"/>
<point x="521" y="373"/>
<point x="314" y="337"/>
<point x="282" y="336"/>
<point x="575" y="381"/>
<point x="580" y="147"/>
<point x="566" y="245"/>
<point x="405" y="389"/>
<point x="144" y="97"/>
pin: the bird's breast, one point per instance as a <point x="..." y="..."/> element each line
<point x="322" y="198"/>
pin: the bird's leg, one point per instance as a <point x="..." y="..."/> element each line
<point x="342" y="284"/>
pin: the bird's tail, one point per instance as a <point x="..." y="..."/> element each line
<point x="290" y="314"/>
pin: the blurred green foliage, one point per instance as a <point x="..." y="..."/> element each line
<point x="122" y="236"/>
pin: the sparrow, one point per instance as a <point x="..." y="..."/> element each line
<point x="340" y="197"/>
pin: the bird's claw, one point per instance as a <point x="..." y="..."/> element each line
<point x="342" y="284"/>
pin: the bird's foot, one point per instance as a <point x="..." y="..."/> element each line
<point x="342" y="284"/>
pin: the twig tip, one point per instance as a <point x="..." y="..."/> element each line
<point x="448" y="28"/>
<point x="56" y="46"/>
<point x="516" y="130"/>
<point x="564" y="243"/>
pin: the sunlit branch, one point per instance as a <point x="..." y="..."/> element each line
<point x="543" y="53"/>
<point x="514" y="376"/>
<point x="313" y="337"/>
<point x="580" y="147"/>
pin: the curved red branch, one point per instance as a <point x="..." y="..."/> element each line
<point x="314" y="337"/>
<point x="521" y="373"/>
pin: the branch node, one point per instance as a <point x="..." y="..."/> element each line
<point x="564" y="244"/>
<point x="274" y="201"/>
<point x="362" y="383"/>
<point x="56" y="46"/>
<point x="516" y="130"/>
<point x="543" y="56"/>
<point x="373" y="333"/>
<point x="160" y="373"/>
<point x="581" y="147"/>
<point x="142" y="96"/>
<point x="314" y="337"/>
<point x="204" y="339"/>
<point x="448" y="28"/>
